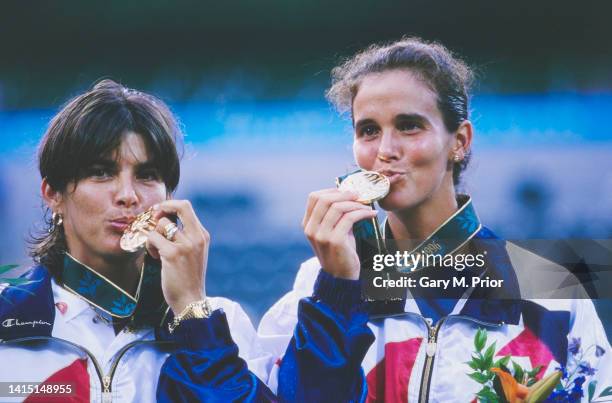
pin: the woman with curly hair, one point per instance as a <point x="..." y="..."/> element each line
<point x="409" y="106"/>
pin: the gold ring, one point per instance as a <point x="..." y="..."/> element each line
<point x="170" y="231"/>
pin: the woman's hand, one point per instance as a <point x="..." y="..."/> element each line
<point x="328" y="225"/>
<point x="184" y="259"/>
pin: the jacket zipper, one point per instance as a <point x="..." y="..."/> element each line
<point x="115" y="363"/>
<point x="430" y="351"/>
<point x="105" y="380"/>
<point x="432" y="344"/>
<point x="107" y="395"/>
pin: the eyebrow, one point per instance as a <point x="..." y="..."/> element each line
<point x="412" y="117"/>
<point x="364" y="122"/>
<point x="147" y="165"/>
<point x="401" y="117"/>
<point x="108" y="162"/>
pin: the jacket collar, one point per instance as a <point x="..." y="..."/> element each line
<point x="499" y="305"/>
<point x="73" y="305"/>
<point x="29" y="311"/>
<point x="495" y="306"/>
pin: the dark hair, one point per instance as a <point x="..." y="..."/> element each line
<point x="448" y="76"/>
<point x="93" y="125"/>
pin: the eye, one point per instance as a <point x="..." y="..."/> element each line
<point x="368" y="131"/>
<point x="409" y="126"/>
<point x="149" y="175"/>
<point x="99" y="172"/>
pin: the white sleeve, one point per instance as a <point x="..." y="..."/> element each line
<point x="590" y="348"/>
<point x="278" y="323"/>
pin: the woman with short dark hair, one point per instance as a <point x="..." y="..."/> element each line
<point x="409" y="105"/>
<point x="116" y="308"/>
<point x="89" y="129"/>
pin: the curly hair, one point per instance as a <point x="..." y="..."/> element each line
<point x="444" y="73"/>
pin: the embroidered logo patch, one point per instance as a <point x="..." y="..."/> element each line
<point x="15" y="322"/>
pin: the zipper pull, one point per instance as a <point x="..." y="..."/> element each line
<point x="431" y="348"/>
<point x="106" y="393"/>
<point x="431" y="343"/>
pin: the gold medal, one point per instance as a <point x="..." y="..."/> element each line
<point x="135" y="236"/>
<point x="369" y="186"/>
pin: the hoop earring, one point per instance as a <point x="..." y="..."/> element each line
<point x="457" y="158"/>
<point x="56" y="221"/>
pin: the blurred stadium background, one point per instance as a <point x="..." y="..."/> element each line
<point x="247" y="80"/>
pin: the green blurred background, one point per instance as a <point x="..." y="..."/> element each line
<point x="272" y="49"/>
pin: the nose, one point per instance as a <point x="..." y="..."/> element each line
<point x="125" y="193"/>
<point x="387" y="147"/>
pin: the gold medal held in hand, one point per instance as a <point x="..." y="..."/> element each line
<point x="135" y="236"/>
<point x="369" y="186"/>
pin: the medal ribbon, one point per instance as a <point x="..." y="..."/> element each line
<point x="455" y="232"/>
<point x="368" y="238"/>
<point x="448" y="237"/>
<point x="445" y="240"/>
<point x="147" y="308"/>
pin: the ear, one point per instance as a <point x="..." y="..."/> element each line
<point x="52" y="197"/>
<point x="462" y="141"/>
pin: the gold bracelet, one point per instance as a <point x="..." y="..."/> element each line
<point x="195" y="310"/>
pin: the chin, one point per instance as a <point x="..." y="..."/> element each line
<point x="112" y="246"/>
<point x="402" y="200"/>
<point x="397" y="201"/>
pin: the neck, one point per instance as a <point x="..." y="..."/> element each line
<point x="123" y="272"/>
<point x="417" y="223"/>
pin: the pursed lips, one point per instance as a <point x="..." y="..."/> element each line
<point x="392" y="174"/>
<point x="121" y="223"/>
